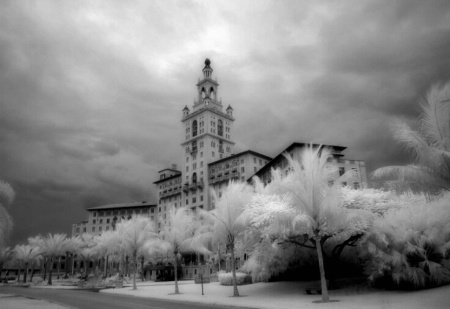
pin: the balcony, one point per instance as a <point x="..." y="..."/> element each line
<point x="193" y="186"/>
<point x="170" y="192"/>
<point x="186" y="187"/>
<point x="200" y="184"/>
<point x="220" y="149"/>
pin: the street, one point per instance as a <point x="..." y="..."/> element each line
<point x="87" y="300"/>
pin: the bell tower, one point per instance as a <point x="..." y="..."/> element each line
<point x="206" y="138"/>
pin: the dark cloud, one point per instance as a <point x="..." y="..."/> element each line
<point x="91" y="92"/>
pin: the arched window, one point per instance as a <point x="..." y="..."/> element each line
<point x="194" y="128"/>
<point x="203" y="93"/>
<point x="212" y="93"/>
<point x="220" y="127"/>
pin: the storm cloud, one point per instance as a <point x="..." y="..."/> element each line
<point x="91" y="92"/>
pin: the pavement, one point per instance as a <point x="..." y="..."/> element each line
<point x="11" y="301"/>
<point x="288" y="295"/>
<point x="272" y="295"/>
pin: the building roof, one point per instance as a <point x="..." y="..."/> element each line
<point x="289" y="148"/>
<point x="241" y="154"/>
<point x="167" y="178"/>
<point x="122" y="205"/>
<point x="169" y="169"/>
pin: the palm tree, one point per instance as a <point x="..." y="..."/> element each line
<point x="303" y="208"/>
<point x="430" y="147"/>
<point x="52" y="246"/>
<point x="7" y="195"/>
<point x="135" y="233"/>
<point x="26" y="254"/>
<point x="177" y="237"/>
<point x="6" y="255"/>
<point x="228" y="221"/>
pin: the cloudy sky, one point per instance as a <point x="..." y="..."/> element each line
<point x="91" y="92"/>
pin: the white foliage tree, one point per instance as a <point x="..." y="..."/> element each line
<point x="430" y="147"/>
<point x="304" y="209"/>
<point x="228" y="221"/>
<point x="410" y="246"/>
<point x="177" y="236"/>
<point x="26" y="254"/>
<point x="52" y="246"/>
<point x="135" y="233"/>
<point x="7" y="195"/>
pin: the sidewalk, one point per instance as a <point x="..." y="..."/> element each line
<point x="10" y="301"/>
<point x="288" y="295"/>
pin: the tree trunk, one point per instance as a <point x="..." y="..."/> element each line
<point x="218" y="255"/>
<point x="135" y="269"/>
<point x="85" y="267"/>
<point x="233" y="271"/>
<point x="142" y="269"/>
<point x="73" y="263"/>
<point x="50" y="268"/>
<point x="25" y="274"/>
<point x="32" y="271"/>
<point x="45" y="262"/>
<point x="323" y="281"/>
<point x="105" y="274"/>
<point x="58" y="267"/>
<point x="121" y="262"/>
<point x="175" y="265"/>
<point x="126" y="266"/>
<point x="18" y="272"/>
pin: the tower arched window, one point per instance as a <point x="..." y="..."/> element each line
<point x="203" y="93"/>
<point x="220" y="127"/>
<point x="194" y="128"/>
<point x="212" y="93"/>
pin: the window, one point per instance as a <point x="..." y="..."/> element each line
<point x="341" y="171"/>
<point x="213" y="154"/>
<point x="187" y="168"/>
<point x="107" y="228"/>
<point x="254" y="160"/>
<point x="95" y="214"/>
<point x="201" y="198"/>
<point x="100" y="229"/>
<point x="187" y="159"/>
<point x="152" y="210"/>
<point x="84" y="230"/>
<point x="194" y="128"/>
<point x="255" y="169"/>
<point x="93" y="221"/>
<point x="194" y="200"/>
<point x="107" y="220"/>
<point x="260" y="162"/>
<point x="242" y="170"/>
<point x="220" y="127"/>
<point x="93" y="229"/>
<point x="201" y="154"/>
<point x="242" y="161"/>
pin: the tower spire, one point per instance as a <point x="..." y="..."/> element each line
<point x="207" y="70"/>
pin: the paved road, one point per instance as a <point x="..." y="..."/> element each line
<point x="88" y="300"/>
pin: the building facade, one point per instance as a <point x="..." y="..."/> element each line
<point x="295" y="152"/>
<point x="103" y="218"/>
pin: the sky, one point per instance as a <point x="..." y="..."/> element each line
<point x="92" y="92"/>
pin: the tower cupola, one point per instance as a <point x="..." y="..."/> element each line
<point x="185" y="111"/>
<point x="230" y="111"/>
<point x="207" y="70"/>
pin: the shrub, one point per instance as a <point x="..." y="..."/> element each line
<point x="410" y="247"/>
<point x="227" y="278"/>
